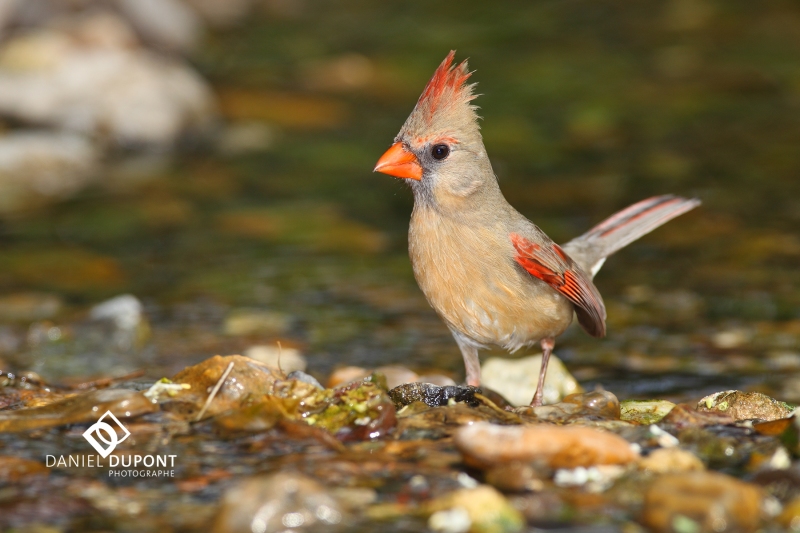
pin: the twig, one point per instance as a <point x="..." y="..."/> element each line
<point x="280" y="354"/>
<point x="214" y="392"/>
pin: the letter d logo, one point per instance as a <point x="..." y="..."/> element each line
<point x="97" y="431"/>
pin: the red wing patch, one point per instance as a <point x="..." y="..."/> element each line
<point x="553" y="266"/>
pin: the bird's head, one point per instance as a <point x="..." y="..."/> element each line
<point x="439" y="149"/>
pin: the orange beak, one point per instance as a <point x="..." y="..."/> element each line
<point x="399" y="163"/>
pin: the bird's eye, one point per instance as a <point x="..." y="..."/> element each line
<point x="440" y="151"/>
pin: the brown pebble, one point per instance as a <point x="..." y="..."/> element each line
<point x="347" y="374"/>
<point x="684" y="416"/>
<point x="484" y="444"/>
<point x="712" y="501"/>
<point x="670" y="460"/>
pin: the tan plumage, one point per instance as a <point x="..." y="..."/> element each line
<point x="492" y="275"/>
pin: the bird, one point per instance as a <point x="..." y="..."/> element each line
<point x="491" y="274"/>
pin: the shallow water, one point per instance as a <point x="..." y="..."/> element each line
<point x="587" y="107"/>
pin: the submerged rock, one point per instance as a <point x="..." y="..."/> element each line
<point x="645" y="412"/>
<point x="476" y="510"/>
<point x="596" y="406"/>
<point x="700" y="502"/>
<point x="277" y="503"/>
<point x="247" y="382"/>
<point x="684" y="416"/>
<point x="517" y="379"/>
<point x="484" y="444"/>
<point x="432" y="395"/>
<point x="670" y="460"/>
<point x="745" y="405"/>
<point x="85" y="407"/>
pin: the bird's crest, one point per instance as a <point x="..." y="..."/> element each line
<point x="444" y="107"/>
<point x="447" y="81"/>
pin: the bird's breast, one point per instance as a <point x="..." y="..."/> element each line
<point x="469" y="277"/>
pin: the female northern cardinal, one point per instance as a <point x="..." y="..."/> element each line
<point x="492" y="275"/>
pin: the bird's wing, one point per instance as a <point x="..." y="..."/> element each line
<point x="552" y="265"/>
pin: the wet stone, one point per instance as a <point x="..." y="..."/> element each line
<point x="587" y="406"/>
<point x="701" y="501"/>
<point x="518" y="378"/>
<point x="432" y="395"/>
<point x="645" y="412"/>
<point x="299" y="375"/>
<point x="476" y="510"/>
<point x="420" y="421"/>
<point x="685" y="416"/>
<point x="670" y="460"/>
<point x="276" y="503"/>
<point x="85" y="407"/>
<point x="745" y="405"/>
<point x="515" y="476"/>
<point x="484" y="444"/>
<point x="247" y="383"/>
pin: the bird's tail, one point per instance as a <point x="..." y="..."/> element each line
<point x="617" y="231"/>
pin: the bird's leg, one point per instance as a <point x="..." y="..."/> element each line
<point x="547" y="348"/>
<point x="472" y="363"/>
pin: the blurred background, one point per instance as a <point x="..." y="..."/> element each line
<point x="182" y="178"/>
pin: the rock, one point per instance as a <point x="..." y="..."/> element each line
<point x="29" y="306"/>
<point x="593" y="479"/>
<point x="247" y="382"/>
<point x="684" y="416"/>
<point x="126" y="314"/>
<point x="645" y="412"/>
<point x="484" y="444"/>
<point x="396" y="375"/>
<point x="255" y="322"/>
<point x="515" y="476"/>
<point x="37" y="166"/>
<point x="125" y="311"/>
<point x="277" y="503"/>
<point x="596" y="405"/>
<point x="701" y="501"/>
<point x="745" y="405"/>
<point x="432" y="395"/>
<point x="286" y="359"/>
<point x="478" y="510"/>
<point x="670" y="460"/>
<point x="86" y="407"/>
<point x="126" y="95"/>
<point x="299" y="375"/>
<point x="517" y="379"/>
<point x="347" y="374"/>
